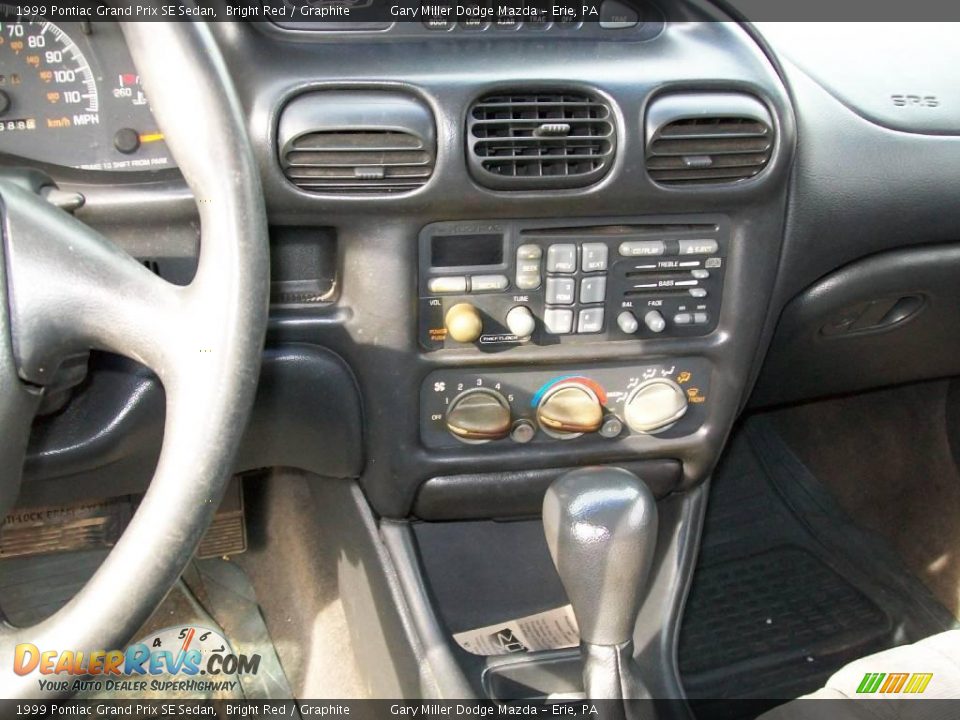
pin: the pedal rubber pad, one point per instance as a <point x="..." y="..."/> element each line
<point x="227" y="534"/>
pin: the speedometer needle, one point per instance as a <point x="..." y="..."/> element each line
<point x="151" y="137"/>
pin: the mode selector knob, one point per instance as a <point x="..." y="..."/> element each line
<point x="479" y="415"/>
<point x="569" y="409"/>
<point x="654" y="405"/>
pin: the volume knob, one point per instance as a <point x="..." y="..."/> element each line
<point x="463" y="323"/>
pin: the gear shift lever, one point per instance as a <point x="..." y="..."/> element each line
<point x="601" y="528"/>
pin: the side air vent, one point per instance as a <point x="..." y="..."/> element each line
<point x="357" y="142"/>
<point x="530" y="140"/>
<point x="709" y="138"/>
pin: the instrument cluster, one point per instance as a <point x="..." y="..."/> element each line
<point x="70" y="96"/>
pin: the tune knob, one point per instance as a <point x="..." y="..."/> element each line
<point x="479" y="415"/>
<point x="570" y="408"/>
<point x="520" y="321"/>
<point x="463" y="323"/>
<point x="654" y="405"/>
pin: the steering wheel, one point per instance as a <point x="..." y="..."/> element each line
<point x="65" y="289"/>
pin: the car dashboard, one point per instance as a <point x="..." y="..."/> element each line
<point x="505" y="248"/>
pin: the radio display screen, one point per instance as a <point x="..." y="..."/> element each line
<point x="458" y="250"/>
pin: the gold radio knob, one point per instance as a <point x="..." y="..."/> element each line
<point x="463" y="323"/>
<point x="569" y="410"/>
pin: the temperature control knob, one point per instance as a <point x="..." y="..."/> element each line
<point x="479" y="415"/>
<point x="654" y="405"/>
<point x="463" y="323"/>
<point x="569" y="409"/>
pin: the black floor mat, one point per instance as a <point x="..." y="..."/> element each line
<point x="787" y="590"/>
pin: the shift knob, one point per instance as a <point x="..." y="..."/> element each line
<point x="601" y="528"/>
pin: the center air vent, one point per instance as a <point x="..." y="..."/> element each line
<point x="705" y="138"/>
<point x="532" y="140"/>
<point x="357" y="142"/>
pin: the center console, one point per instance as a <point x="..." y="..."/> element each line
<point x="544" y="261"/>
<point x="492" y="286"/>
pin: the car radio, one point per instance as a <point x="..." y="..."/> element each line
<point x="498" y="284"/>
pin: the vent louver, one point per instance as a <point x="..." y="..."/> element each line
<point x="357" y="142"/>
<point x="707" y="139"/>
<point x="539" y="140"/>
<point x="358" y="161"/>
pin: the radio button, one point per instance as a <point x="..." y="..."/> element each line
<point x="682" y="319"/>
<point x="698" y="247"/>
<point x="593" y="289"/>
<point x="654" y="321"/>
<point x="529" y="252"/>
<point x="590" y="320"/>
<point x="557" y="321"/>
<point x="528" y="280"/>
<point x="463" y="323"/>
<point x="594" y="257"/>
<point x="700" y="274"/>
<point x="562" y="258"/>
<point x="628" y="322"/>
<point x="528" y="267"/>
<point x="700" y="318"/>
<point x="642" y="248"/>
<point x="560" y="291"/>
<point x="698" y="292"/>
<point x="481" y="283"/>
<point x="450" y="284"/>
<point x="520" y="321"/>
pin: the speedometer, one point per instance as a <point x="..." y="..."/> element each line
<point x="47" y="83"/>
<point x="70" y="96"/>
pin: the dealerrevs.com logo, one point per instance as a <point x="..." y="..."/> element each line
<point x="894" y="683"/>
<point x="175" y="659"/>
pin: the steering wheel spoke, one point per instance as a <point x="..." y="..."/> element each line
<point x="71" y="290"/>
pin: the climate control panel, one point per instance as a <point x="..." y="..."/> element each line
<point x="603" y="404"/>
<point x="496" y="285"/>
